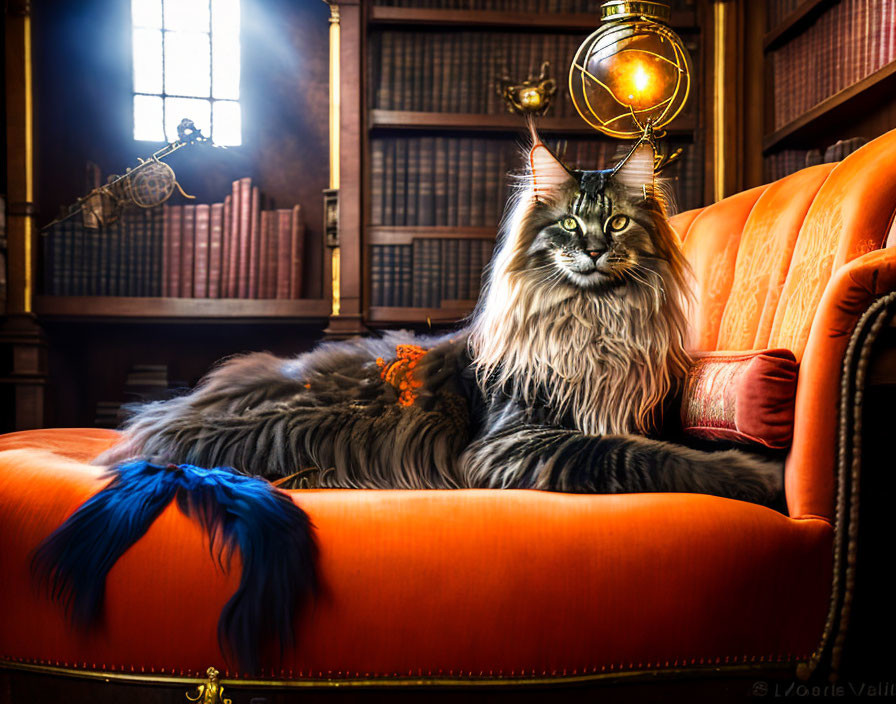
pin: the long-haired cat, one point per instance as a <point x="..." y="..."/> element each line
<point x="556" y="383"/>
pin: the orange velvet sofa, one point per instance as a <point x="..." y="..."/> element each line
<point x="520" y="587"/>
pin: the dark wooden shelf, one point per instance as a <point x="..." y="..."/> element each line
<point x="395" y="314"/>
<point x="795" y="22"/>
<point x="831" y="112"/>
<point x="181" y="309"/>
<point x="393" y="234"/>
<point x="506" y="122"/>
<point x="566" y="22"/>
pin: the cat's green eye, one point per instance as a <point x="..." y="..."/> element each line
<point x="617" y="223"/>
<point x="570" y="224"/>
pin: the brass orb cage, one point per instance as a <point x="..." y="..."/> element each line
<point x="633" y="72"/>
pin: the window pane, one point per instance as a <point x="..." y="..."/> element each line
<point x="227" y="124"/>
<point x="189" y="15"/>
<point x="226" y="69"/>
<point x="176" y="109"/>
<point x="147" y="61"/>
<point x="147" y="13"/>
<point x="187" y="63"/>
<point x="226" y="19"/>
<point x="148" y="118"/>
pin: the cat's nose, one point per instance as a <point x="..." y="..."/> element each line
<point x="595" y="253"/>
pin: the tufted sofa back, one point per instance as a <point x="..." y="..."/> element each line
<point x="762" y="258"/>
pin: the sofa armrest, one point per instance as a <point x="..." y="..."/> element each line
<point x="852" y="290"/>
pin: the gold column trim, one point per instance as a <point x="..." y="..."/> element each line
<point x="720" y="11"/>
<point x="335" y="112"/>
<point x="29" y="165"/>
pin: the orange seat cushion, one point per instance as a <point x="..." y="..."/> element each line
<point x="426" y="583"/>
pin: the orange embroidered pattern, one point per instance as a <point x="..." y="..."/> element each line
<point x="400" y="372"/>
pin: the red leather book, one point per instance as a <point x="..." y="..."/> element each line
<point x="201" y="252"/>
<point x="242" y="241"/>
<point x="226" y="228"/>
<point x="284" y="253"/>
<point x="233" y="244"/>
<point x="254" y="244"/>
<point x="269" y="254"/>
<point x="173" y="229"/>
<point x="187" y="249"/>
<point x="297" y="249"/>
<point x="216" y="228"/>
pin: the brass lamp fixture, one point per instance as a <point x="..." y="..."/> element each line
<point x="632" y="73"/>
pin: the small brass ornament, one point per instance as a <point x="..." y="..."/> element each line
<point x="530" y="97"/>
<point x="211" y="692"/>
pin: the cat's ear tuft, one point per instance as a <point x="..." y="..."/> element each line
<point x="549" y="175"/>
<point x="636" y="172"/>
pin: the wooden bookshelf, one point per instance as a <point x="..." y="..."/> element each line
<point x="223" y="310"/>
<point x="506" y="122"/>
<point x="366" y="26"/>
<point x="863" y="96"/>
<point x="795" y="22"/>
<point x="385" y="234"/>
<point x="405" y="315"/>
<point x="564" y="22"/>
<point x="865" y="108"/>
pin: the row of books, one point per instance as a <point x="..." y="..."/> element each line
<point x="464" y="182"/>
<point x="123" y="258"/>
<point x="2" y="252"/>
<point x="516" y="5"/>
<point x="788" y="161"/>
<point x="777" y="10"/>
<point x="851" y="40"/>
<point x="232" y="249"/>
<point x="429" y="273"/>
<point x="437" y="71"/>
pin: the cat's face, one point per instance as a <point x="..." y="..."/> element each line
<point x="597" y="234"/>
<point x="592" y="231"/>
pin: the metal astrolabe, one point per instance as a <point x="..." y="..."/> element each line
<point x="147" y="185"/>
<point x="632" y="72"/>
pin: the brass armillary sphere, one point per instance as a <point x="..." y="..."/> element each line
<point x="634" y="71"/>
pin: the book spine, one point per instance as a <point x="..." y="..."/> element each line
<point x="440" y="182"/>
<point x="413" y="182"/>
<point x="102" y="274"/>
<point x="254" y="270"/>
<point x="389" y="183"/>
<point x="384" y="90"/>
<point x="187" y="249"/>
<point x="268" y="254"/>
<point x="233" y="245"/>
<point x="401" y="180"/>
<point x="226" y="245"/>
<point x="389" y="297"/>
<point x="215" y="242"/>
<point x="377" y="173"/>
<point x="426" y="174"/>
<point x="297" y="252"/>
<point x="157" y="271"/>
<point x="465" y="182"/>
<point x="201" y="257"/>
<point x="115" y="245"/>
<point x="377" y="295"/>
<point x="283" y="243"/>
<point x="407" y="276"/>
<point x="417" y="293"/>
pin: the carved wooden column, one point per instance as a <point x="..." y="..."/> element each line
<point x="20" y="331"/>
<point x="346" y="99"/>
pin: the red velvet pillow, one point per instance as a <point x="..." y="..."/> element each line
<point x="741" y="396"/>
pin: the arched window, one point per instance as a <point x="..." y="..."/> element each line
<point x="187" y="64"/>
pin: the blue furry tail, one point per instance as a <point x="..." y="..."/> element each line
<point x="273" y="535"/>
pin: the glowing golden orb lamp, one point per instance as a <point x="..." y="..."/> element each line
<point x="632" y="72"/>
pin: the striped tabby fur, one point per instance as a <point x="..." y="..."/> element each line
<point x="577" y="340"/>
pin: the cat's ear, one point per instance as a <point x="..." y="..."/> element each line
<point x="636" y="170"/>
<point x="549" y="175"/>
